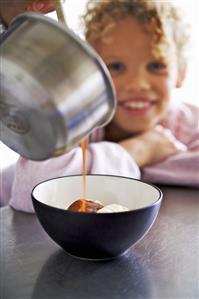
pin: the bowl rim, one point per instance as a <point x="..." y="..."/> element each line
<point x="158" y="201"/>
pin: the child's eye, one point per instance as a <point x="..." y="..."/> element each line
<point x="116" y="67"/>
<point x="156" y="66"/>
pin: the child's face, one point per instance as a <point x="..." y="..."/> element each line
<point x="143" y="84"/>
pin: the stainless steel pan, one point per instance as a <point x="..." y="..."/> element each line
<point x="54" y="88"/>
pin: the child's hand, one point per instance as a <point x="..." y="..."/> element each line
<point x="153" y="146"/>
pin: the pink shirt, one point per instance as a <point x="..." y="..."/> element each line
<point x="105" y="157"/>
<point x="182" y="168"/>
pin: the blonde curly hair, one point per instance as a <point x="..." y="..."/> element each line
<point x="160" y="16"/>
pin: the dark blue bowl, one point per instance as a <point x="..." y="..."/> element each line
<point x="93" y="235"/>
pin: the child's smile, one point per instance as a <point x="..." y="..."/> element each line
<point x="137" y="105"/>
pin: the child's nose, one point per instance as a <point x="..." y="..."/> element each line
<point x="137" y="82"/>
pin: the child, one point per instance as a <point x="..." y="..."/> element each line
<point x="142" y="44"/>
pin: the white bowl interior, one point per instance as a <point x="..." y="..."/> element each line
<point x="61" y="192"/>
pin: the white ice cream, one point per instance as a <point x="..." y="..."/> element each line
<point x="112" y="208"/>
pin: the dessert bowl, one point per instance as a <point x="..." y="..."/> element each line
<point x="96" y="235"/>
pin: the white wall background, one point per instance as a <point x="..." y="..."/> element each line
<point x="189" y="92"/>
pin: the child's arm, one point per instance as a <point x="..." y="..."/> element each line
<point x="170" y="156"/>
<point x="153" y="146"/>
<point x="164" y="159"/>
<point x="181" y="169"/>
<point x="102" y="158"/>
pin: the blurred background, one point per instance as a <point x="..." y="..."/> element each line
<point x="188" y="93"/>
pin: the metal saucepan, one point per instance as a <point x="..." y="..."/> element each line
<point x="54" y="88"/>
